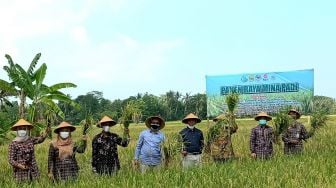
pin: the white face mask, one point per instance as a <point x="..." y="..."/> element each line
<point x="22" y="133"/>
<point x="64" y="135"/>
<point x="106" y="128"/>
<point x="191" y="127"/>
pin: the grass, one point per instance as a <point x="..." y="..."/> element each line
<point x="315" y="168"/>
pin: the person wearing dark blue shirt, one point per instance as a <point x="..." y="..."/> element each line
<point x="192" y="142"/>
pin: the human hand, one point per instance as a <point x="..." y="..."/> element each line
<point x="84" y="137"/>
<point x="22" y="167"/>
<point x="294" y="141"/>
<point x="126" y="130"/>
<point x="50" y="176"/>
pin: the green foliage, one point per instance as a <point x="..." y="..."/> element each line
<point x="281" y="121"/>
<point x="323" y="104"/>
<point x="318" y="119"/>
<point x="172" y="147"/>
<point x="214" y="130"/>
<point x="4" y="131"/>
<point x="314" y="168"/>
<point x="232" y="100"/>
<point x="149" y="105"/>
<point x="87" y="124"/>
<point x="30" y="84"/>
<point x="132" y="111"/>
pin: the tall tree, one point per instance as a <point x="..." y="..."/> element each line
<point x="323" y="104"/>
<point x="29" y="83"/>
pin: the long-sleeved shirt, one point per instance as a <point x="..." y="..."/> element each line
<point x="193" y="140"/>
<point x="105" y="152"/>
<point x="295" y="132"/>
<point x="63" y="169"/>
<point x="23" y="153"/>
<point x="261" y="141"/>
<point x="148" y="148"/>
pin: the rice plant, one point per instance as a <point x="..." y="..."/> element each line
<point x="314" y="168"/>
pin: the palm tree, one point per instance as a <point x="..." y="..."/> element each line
<point x="186" y="101"/>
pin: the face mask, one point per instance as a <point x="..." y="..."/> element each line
<point x="190" y="127"/>
<point x="64" y="135"/>
<point x="262" y="122"/>
<point x="155" y="126"/>
<point x="21" y="133"/>
<point x="106" y="128"/>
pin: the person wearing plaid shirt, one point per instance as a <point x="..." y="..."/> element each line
<point x="294" y="135"/>
<point x="105" y="150"/>
<point x="21" y="152"/>
<point x="262" y="138"/>
<point x="62" y="163"/>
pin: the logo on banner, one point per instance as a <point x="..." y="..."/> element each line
<point x="257" y="77"/>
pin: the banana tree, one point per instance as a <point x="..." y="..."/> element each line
<point x="21" y="80"/>
<point x="6" y="90"/>
<point x="29" y="84"/>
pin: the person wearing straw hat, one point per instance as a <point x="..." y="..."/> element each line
<point x="148" y="149"/>
<point x="105" y="148"/>
<point x="262" y="138"/>
<point x="62" y="163"/>
<point x="192" y="142"/>
<point x="221" y="144"/>
<point x="295" y="134"/>
<point x="21" y="151"/>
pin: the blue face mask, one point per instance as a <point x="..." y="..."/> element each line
<point x="262" y="122"/>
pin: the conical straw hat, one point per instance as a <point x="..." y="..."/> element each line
<point x="298" y="115"/>
<point x="263" y="114"/>
<point x="191" y="116"/>
<point x="161" y="120"/>
<point x="21" y="123"/>
<point x="64" y="124"/>
<point x="106" y="119"/>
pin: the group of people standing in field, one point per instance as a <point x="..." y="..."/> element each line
<point x="62" y="163"/>
<point x="262" y="136"/>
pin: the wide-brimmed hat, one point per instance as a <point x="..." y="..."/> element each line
<point x="298" y="115"/>
<point x="191" y="116"/>
<point x="220" y="117"/>
<point x="21" y="123"/>
<point x="161" y="121"/>
<point x="106" y="119"/>
<point x="264" y="115"/>
<point x="64" y="124"/>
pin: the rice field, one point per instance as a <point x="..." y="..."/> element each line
<point x="315" y="168"/>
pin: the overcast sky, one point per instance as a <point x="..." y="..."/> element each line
<point x="125" y="47"/>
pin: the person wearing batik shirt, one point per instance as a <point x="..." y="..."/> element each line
<point x="262" y="138"/>
<point x="21" y="152"/>
<point x="105" y="158"/>
<point x="294" y="135"/>
<point x="62" y="163"/>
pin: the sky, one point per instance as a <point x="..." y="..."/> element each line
<point x="125" y="47"/>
